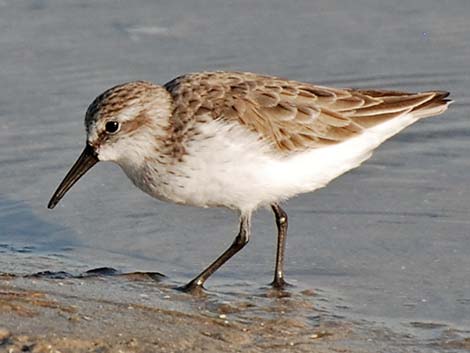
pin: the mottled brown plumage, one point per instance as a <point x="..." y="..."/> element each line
<point x="117" y="98"/>
<point x="293" y="116"/>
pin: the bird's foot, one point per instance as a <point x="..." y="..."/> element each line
<point x="279" y="283"/>
<point x="193" y="288"/>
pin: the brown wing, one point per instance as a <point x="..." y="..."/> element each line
<point x="291" y="115"/>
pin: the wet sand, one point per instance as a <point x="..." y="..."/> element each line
<point x="51" y="312"/>
<point x="105" y="311"/>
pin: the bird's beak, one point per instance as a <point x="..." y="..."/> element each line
<point x="87" y="159"/>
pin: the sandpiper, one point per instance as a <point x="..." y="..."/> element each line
<point x="240" y="140"/>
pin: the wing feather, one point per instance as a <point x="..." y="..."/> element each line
<point x="290" y="115"/>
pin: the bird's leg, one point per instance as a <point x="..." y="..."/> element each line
<point x="281" y="223"/>
<point x="240" y="241"/>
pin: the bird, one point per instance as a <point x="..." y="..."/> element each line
<point x="242" y="141"/>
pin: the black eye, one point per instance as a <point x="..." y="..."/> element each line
<point x="111" y="127"/>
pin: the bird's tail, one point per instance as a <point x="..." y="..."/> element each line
<point x="437" y="104"/>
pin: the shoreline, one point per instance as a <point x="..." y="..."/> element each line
<point x="40" y="314"/>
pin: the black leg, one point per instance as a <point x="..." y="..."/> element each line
<point x="281" y="222"/>
<point x="240" y="241"/>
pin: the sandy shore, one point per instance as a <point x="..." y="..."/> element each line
<point x="48" y="313"/>
<point x="104" y="311"/>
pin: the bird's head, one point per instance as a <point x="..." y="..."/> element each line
<point x="121" y="124"/>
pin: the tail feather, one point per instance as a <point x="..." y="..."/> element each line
<point x="436" y="105"/>
<point x="393" y="104"/>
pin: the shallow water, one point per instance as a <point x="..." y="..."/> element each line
<point x="387" y="244"/>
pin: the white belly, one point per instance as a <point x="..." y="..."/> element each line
<point x="233" y="168"/>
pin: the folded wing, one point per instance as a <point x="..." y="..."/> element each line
<point x="291" y="115"/>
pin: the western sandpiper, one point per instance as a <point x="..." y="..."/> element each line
<point x="240" y="140"/>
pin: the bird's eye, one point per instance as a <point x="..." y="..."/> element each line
<point x="112" y="127"/>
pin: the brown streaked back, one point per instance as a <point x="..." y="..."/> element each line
<point x="291" y="115"/>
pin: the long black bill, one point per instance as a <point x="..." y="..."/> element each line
<point x="87" y="159"/>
